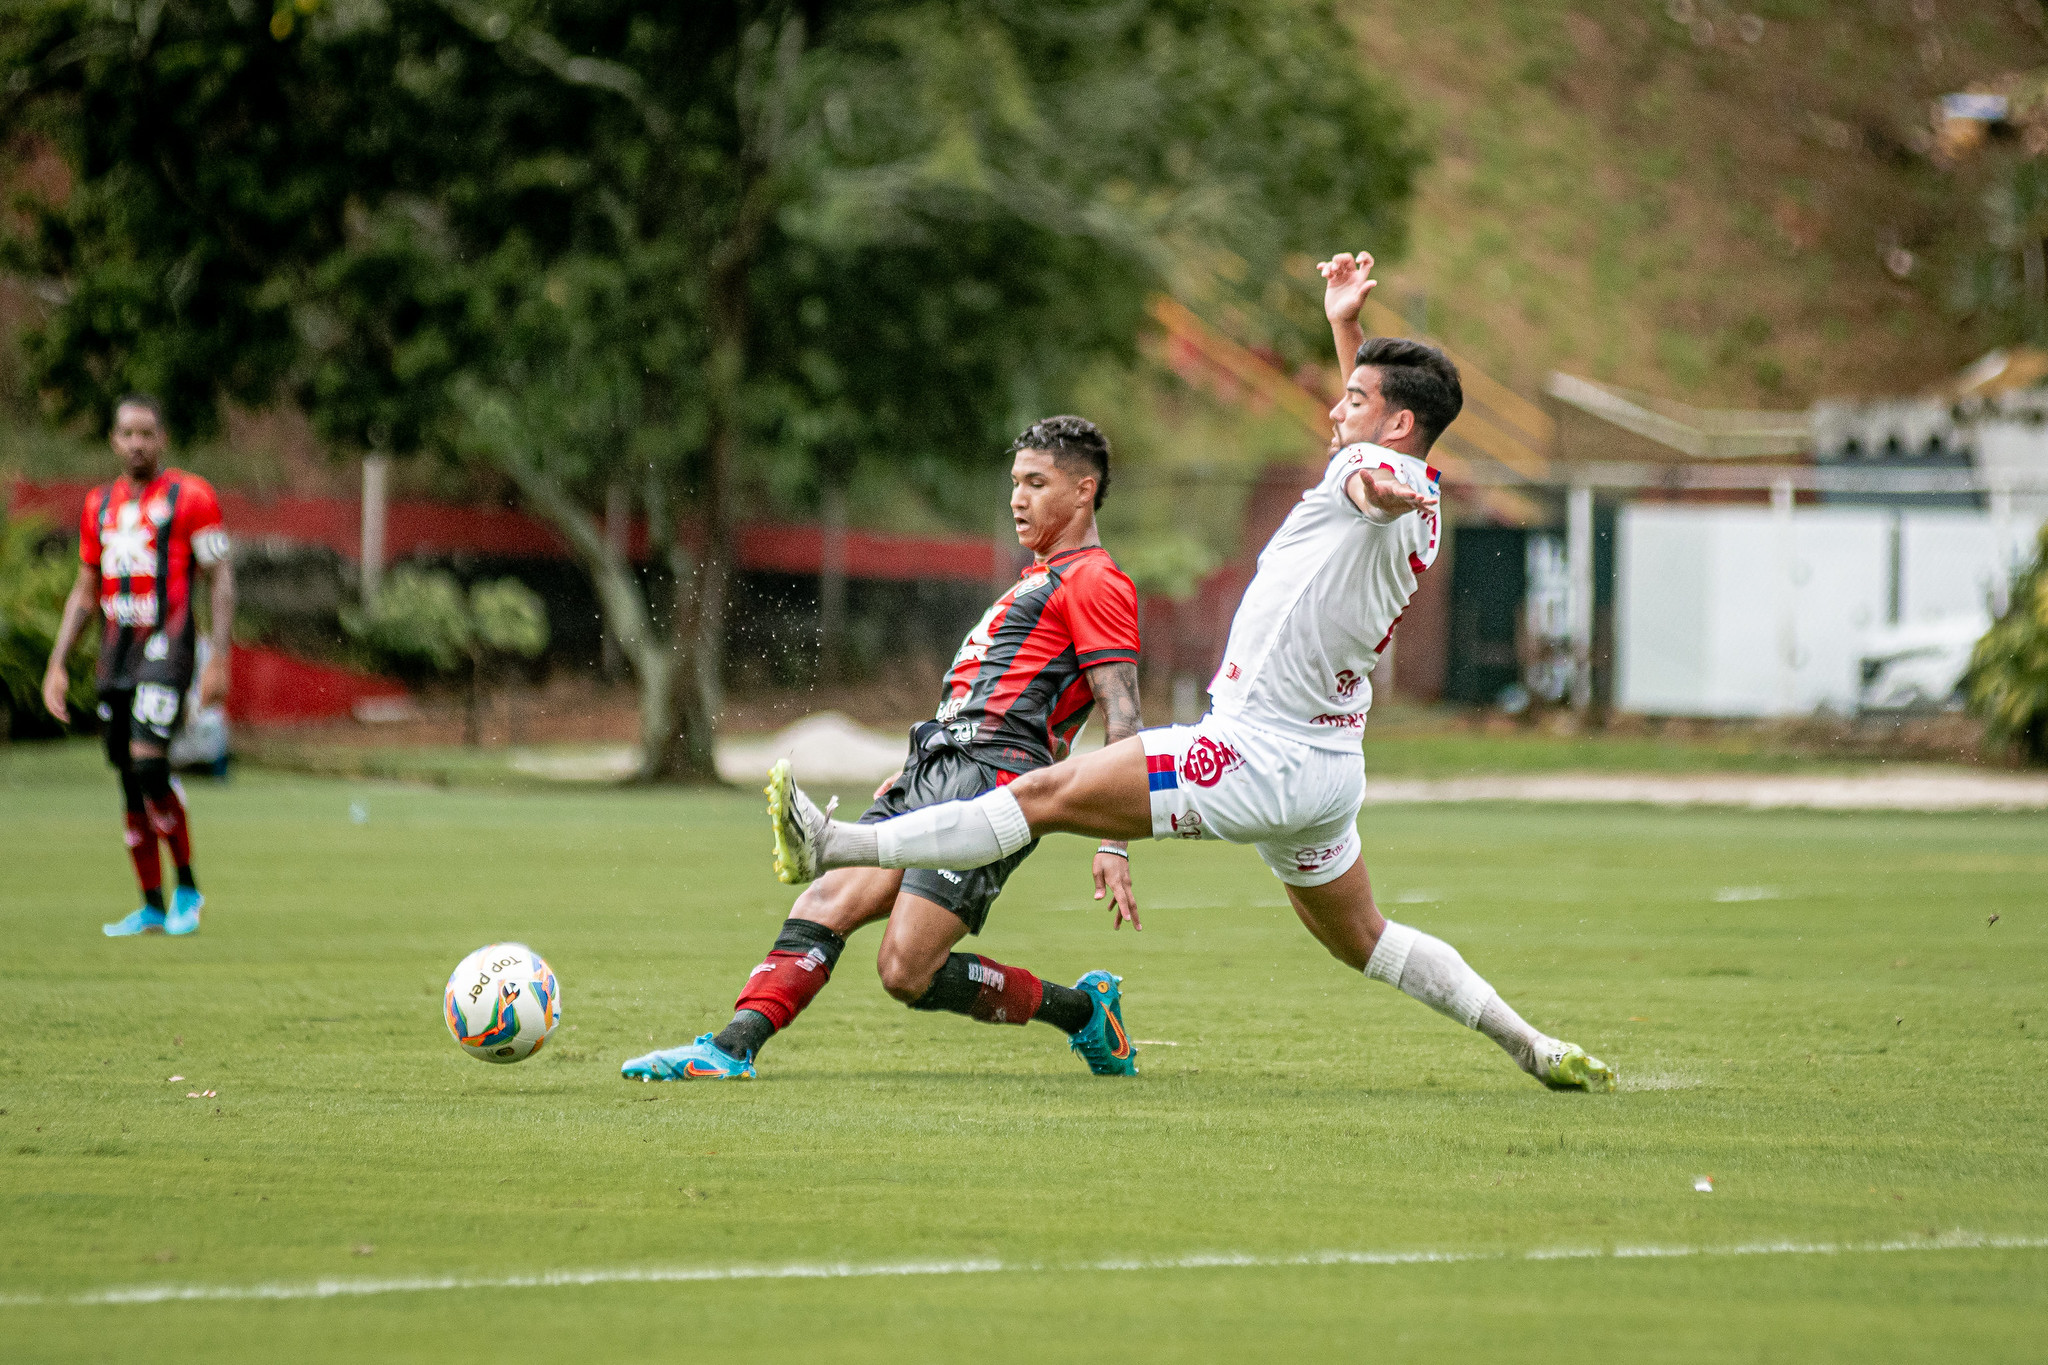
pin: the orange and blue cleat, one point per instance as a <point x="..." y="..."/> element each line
<point x="1103" y="1044"/>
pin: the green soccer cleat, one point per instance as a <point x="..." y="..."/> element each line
<point x="1565" y="1066"/>
<point x="1103" y="1044"/>
<point x="799" y="827"/>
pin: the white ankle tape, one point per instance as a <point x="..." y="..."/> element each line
<point x="1390" y="955"/>
<point x="1006" y="818"/>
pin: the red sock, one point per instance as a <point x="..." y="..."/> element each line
<point x="781" y="986"/>
<point x="1003" y="995"/>
<point x="167" y="815"/>
<point x="141" y="841"/>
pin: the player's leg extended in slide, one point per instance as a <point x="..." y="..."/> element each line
<point x="916" y="963"/>
<point x="1106" y="794"/>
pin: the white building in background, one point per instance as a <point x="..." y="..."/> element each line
<point x="1745" y="611"/>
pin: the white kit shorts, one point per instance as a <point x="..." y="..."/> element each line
<point x="1295" y="803"/>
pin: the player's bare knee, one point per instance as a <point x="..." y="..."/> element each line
<point x="906" y="976"/>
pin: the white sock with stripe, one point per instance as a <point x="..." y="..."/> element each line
<point x="1429" y="969"/>
<point x="954" y="834"/>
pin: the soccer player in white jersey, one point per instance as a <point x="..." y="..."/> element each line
<point x="1278" y="761"/>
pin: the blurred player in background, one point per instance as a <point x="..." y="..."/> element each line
<point x="1016" y="695"/>
<point x="1278" y="761"/>
<point x="146" y="542"/>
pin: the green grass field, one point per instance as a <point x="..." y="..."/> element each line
<point x="1843" y="1043"/>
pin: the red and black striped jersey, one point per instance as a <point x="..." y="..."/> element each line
<point x="147" y="543"/>
<point x="1017" y="692"/>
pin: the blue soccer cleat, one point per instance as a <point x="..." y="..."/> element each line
<point x="1103" y="1044"/>
<point x="185" y="906"/>
<point x="702" y="1060"/>
<point x="147" y="920"/>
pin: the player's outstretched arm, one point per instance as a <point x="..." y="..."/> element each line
<point x="1347" y="280"/>
<point x="1382" y="496"/>
<point x="1116" y="687"/>
<point x="85" y="590"/>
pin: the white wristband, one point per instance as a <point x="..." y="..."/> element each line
<point x="1121" y="853"/>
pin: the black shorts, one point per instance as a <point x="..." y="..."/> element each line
<point x="151" y="711"/>
<point x="935" y="770"/>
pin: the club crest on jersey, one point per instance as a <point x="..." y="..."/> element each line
<point x="1029" y="584"/>
<point x="1206" y="761"/>
<point x="1347" y="683"/>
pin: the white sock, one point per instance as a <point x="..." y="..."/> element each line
<point x="1431" y="970"/>
<point x="954" y="834"/>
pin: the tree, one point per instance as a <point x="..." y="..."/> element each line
<point x="702" y="250"/>
<point x="2007" y="684"/>
<point x="423" y="623"/>
<point x="34" y="581"/>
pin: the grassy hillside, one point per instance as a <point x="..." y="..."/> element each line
<point x="1690" y="197"/>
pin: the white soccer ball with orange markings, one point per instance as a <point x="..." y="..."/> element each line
<point x="502" y="1002"/>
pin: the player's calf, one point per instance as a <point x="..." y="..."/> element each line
<point x="982" y="988"/>
<point x="780" y="989"/>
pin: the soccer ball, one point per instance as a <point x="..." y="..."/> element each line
<point x="502" y="1003"/>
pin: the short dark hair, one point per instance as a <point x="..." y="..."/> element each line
<point x="1076" y="445"/>
<point x="1419" y="378"/>
<point x="139" y="400"/>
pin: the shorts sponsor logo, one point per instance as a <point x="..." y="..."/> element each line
<point x="953" y="877"/>
<point x="1339" y="722"/>
<point x="157" y="648"/>
<point x="1347" y="684"/>
<point x="1315" y="859"/>
<point x="156" y="704"/>
<point x="1206" y="761"/>
<point x="1186" y="826"/>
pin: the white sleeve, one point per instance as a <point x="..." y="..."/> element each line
<point x="1350" y="461"/>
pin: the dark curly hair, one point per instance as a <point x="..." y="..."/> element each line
<point x="1417" y="377"/>
<point x="1076" y="445"/>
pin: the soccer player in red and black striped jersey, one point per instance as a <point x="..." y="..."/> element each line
<point x="145" y="542"/>
<point x="1023" y="684"/>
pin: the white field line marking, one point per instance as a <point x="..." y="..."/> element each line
<point x="844" y="1270"/>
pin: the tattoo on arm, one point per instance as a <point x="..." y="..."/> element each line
<point x="1116" y="687"/>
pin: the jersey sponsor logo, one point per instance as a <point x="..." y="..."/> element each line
<point x="962" y="731"/>
<point x="131" y="608"/>
<point x="210" y="546"/>
<point x="1187" y="825"/>
<point x="975" y="647"/>
<point x="951" y="708"/>
<point x="1353" y="721"/>
<point x="1206" y="761"/>
<point x="1230" y="672"/>
<point x="1347" y="683"/>
<point x="157" y="648"/>
<point x="128" y="547"/>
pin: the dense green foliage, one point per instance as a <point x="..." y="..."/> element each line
<point x="35" y="579"/>
<point x="1853" y="1061"/>
<point x="687" y="249"/>
<point x="2008" y="679"/>
<point x="424" y="624"/>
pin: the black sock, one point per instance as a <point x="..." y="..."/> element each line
<point x="185" y="878"/>
<point x="154" y="899"/>
<point x="952" y="989"/>
<point x="1065" y="1008"/>
<point x="745" y="1034"/>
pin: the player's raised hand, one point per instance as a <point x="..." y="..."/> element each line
<point x="1113" y="879"/>
<point x="1347" y="279"/>
<point x="1382" y="492"/>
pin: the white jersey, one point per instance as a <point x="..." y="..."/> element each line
<point x="1331" y="583"/>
